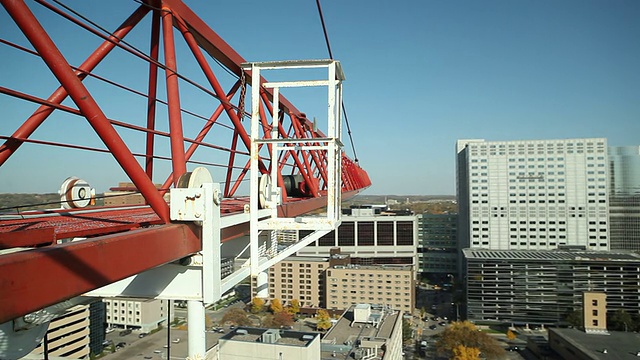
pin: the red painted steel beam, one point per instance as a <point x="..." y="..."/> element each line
<point x="173" y="98"/>
<point x="201" y="135"/>
<point x="41" y="114"/>
<point x="33" y="279"/>
<point x="152" y="89"/>
<point x="58" y="65"/>
<point x="215" y="46"/>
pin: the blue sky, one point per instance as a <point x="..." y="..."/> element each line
<point x="420" y="75"/>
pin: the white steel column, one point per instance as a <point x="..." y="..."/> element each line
<point x="196" y="329"/>
<point x="262" y="284"/>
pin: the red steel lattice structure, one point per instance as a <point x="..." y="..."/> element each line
<point x="46" y="272"/>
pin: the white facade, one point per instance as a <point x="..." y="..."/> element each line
<point x="369" y="236"/>
<point x="143" y="314"/>
<point x="533" y="195"/>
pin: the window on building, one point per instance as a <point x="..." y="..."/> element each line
<point x="365" y="233"/>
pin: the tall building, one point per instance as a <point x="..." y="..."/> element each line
<point x="533" y="195"/>
<point x="371" y="238"/>
<point x="437" y="245"/>
<point x="624" y="199"/>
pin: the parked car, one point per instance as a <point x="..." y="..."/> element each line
<point x="176" y="340"/>
<point x="125" y="332"/>
<point x="142" y="335"/>
<point x="121" y="344"/>
<point x="442" y="323"/>
<point x="433" y="327"/>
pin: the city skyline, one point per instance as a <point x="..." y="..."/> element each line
<point x="419" y="76"/>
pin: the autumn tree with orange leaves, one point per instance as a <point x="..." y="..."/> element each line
<point x="465" y="334"/>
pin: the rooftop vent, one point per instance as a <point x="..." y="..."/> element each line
<point x="270" y="336"/>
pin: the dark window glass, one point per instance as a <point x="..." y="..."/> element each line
<point x="365" y="233"/>
<point x="385" y="233"/>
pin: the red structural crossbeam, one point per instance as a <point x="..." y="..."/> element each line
<point x="49" y="272"/>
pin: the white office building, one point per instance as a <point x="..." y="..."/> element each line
<point x="533" y="195"/>
<point x="371" y="237"/>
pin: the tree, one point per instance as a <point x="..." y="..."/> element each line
<point x="575" y="318"/>
<point x="462" y="352"/>
<point x="278" y="320"/>
<point x="276" y="306"/>
<point x="511" y="335"/>
<point x="257" y="305"/>
<point x="466" y="334"/>
<point x="294" y="306"/>
<point x="621" y="321"/>
<point x="422" y="312"/>
<point x="323" y="320"/>
<point x="407" y="331"/>
<point x="236" y="316"/>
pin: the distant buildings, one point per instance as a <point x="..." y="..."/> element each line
<point x="543" y="287"/>
<point x="335" y="283"/>
<point x="301" y="278"/>
<point x="371" y="237"/>
<point x="624" y="199"/>
<point x="533" y="195"/>
<point x="437" y="245"/>
<point x="390" y="285"/>
<point x="143" y="314"/>
<point x="67" y="336"/>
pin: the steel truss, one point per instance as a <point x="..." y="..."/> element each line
<point x="44" y="271"/>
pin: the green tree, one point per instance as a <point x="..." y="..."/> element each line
<point x="422" y="312"/>
<point x="466" y="334"/>
<point x="237" y="316"/>
<point x="323" y="320"/>
<point x="575" y="318"/>
<point x="407" y="331"/>
<point x="621" y="321"/>
<point x="462" y="352"/>
<point x="257" y="305"/>
<point x="276" y="306"/>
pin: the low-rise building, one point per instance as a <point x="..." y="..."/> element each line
<point x="334" y="283"/>
<point x="365" y="331"/>
<point x="143" y="314"/>
<point x="389" y="285"/>
<point x="254" y="343"/>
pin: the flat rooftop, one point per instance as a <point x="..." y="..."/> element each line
<point x="619" y="345"/>
<point x="550" y="255"/>
<point x="284" y="337"/>
<point x="393" y="267"/>
<point x="343" y="335"/>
